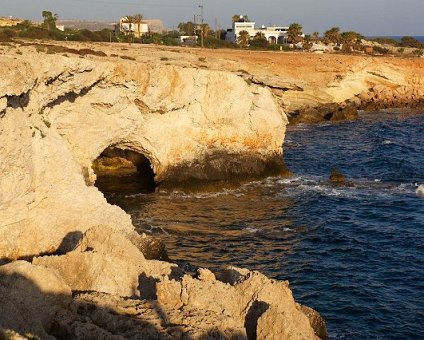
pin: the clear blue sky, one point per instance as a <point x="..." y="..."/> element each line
<point x="369" y="17"/>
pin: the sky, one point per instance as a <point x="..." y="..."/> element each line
<point x="368" y="17"/>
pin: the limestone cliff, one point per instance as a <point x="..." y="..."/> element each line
<point x="194" y="116"/>
<point x="60" y="112"/>
<point x="316" y="87"/>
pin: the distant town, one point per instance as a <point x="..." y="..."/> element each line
<point x="244" y="33"/>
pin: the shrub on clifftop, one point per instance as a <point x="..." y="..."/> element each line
<point x="411" y="42"/>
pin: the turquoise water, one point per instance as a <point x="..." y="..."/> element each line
<point x="355" y="253"/>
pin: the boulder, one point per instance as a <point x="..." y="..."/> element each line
<point x="106" y="261"/>
<point x="30" y="297"/>
<point x="420" y="190"/>
<point x="316" y="320"/>
<point x="241" y="306"/>
<point x="336" y="177"/>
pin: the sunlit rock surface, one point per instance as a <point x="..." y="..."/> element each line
<point x="193" y="117"/>
<point x="59" y="113"/>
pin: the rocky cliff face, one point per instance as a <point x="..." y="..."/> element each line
<point x="193" y="120"/>
<point x="59" y="113"/>
<point x="314" y="87"/>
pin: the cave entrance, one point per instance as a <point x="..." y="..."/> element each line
<point x="123" y="172"/>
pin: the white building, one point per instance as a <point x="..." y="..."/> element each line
<point x="274" y="34"/>
<point x="126" y="27"/>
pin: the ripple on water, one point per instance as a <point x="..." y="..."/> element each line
<point x="354" y="252"/>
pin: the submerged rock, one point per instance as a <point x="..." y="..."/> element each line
<point x="420" y="190"/>
<point x="336" y="177"/>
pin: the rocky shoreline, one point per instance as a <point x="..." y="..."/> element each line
<point x="72" y="265"/>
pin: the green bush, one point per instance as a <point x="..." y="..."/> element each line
<point x="169" y="41"/>
<point x="259" y="43"/>
<point x="386" y="41"/>
<point x="411" y="42"/>
<point x="418" y="52"/>
<point x="380" y="50"/>
<point x="10" y="33"/>
<point x="151" y="38"/>
<point x="40" y="33"/>
<point x="212" y="42"/>
<point x="4" y="37"/>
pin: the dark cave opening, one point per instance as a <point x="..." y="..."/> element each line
<point x="123" y="172"/>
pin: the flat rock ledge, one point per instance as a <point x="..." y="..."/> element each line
<point x="105" y="289"/>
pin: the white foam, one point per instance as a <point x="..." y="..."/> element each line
<point x="251" y="230"/>
<point x="387" y="142"/>
<point x="289" y="180"/>
<point x="420" y="190"/>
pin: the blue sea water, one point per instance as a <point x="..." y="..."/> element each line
<point x="418" y="37"/>
<point x="353" y="252"/>
<point x="399" y="37"/>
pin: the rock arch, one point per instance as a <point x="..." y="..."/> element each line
<point x="123" y="170"/>
<point x="191" y="124"/>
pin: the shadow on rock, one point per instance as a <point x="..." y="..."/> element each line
<point x="35" y="302"/>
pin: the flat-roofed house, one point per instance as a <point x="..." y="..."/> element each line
<point x="130" y="26"/>
<point x="274" y="34"/>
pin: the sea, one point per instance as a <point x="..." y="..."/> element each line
<point x="353" y="252"/>
<point x="399" y="37"/>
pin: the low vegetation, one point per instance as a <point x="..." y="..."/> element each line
<point x="336" y="40"/>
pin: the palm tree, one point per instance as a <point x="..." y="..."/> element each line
<point x="333" y="36"/>
<point x="307" y="43"/>
<point x="138" y="19"/>
<point x="49" y="20"/>
<point x="244" y="38"/>
<point x="259" y="40"/>
<point x="236" y="17"/>
<point x="294" y="33"/>
<point x="351" y="40"/>
<point x="129" y="19"/>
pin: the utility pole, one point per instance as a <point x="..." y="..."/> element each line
<point x="202" y="23"/>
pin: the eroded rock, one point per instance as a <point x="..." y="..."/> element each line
<point x="336" y="177"/>
<point x="58" y="114"/>
<point x="316" y="320"/>
<point x="106" y="261"/>
<point x="30" y="297"/>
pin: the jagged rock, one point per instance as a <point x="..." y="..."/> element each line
<point x="30" y="296"/>
<point x="349" y="112"/>
<point x="245" y="302"/>
<point x="106" y="261"/>
<point x="58" y="114"/>
<point x="63" y="112"/>
<point x="7" y="334"/>
<point x="336" y="177"/>
<point x="151" y="247"/>
<point x="316" y="320"/>
<point x="420" y="190"/>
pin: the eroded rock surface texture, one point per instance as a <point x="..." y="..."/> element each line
<point x="59" y="113"/>
<point x="106" y="289"/>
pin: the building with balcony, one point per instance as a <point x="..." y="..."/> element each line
<point x="274" y="34"/>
